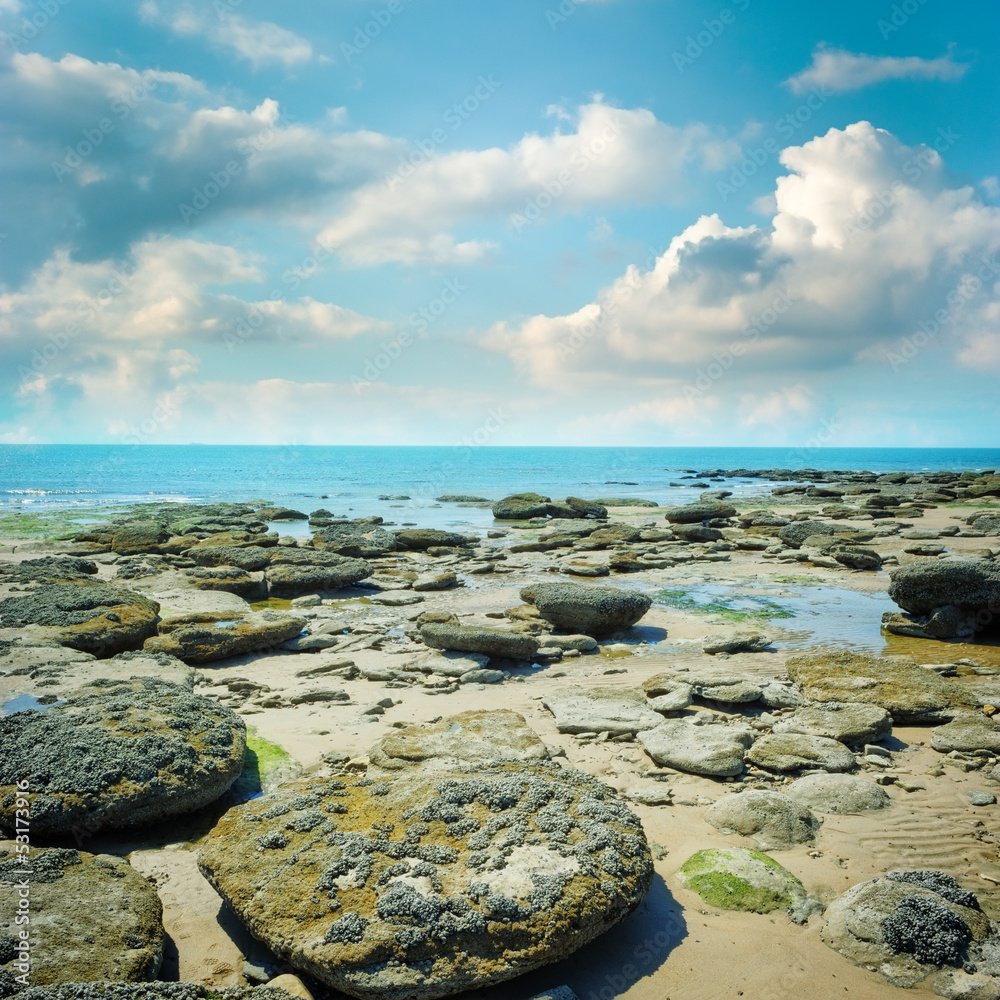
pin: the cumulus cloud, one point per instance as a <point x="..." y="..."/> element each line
<point x="613" y="156"/>
<point x="260" y="42"/>
<point x="839" y="70"/>
<point x="868" y="242"/>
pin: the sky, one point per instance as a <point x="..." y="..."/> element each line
<point x="611" y="222"/>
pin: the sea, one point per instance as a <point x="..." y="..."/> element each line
<point x="401" y="484"/>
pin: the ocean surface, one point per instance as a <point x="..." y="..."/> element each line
<point x="350" y="480"/>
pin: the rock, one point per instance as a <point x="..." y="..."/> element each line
<point x="481" y="676"/>
<point x="472" y="739"/>
<point x="971" y="586"/>
<point x="795" y="533"/>
<point x="837" y="793"/>
<point x="93" y="916"/>
<point x="318" y="696"/>
<point x="92" y="618"/>
<point x="925" y="549"/>
<point x="594" y="611"/>
<point x="625" y="502"/>
<point x="906" y="925"/>
<point x="229" y="580"/>
<point x="910" y="694"/>
<point x="521" y="506"/>
<point x="856" y="557"/>
<point x="582" y="643"/>
<point x="49" y="569"/>
<point x="724" y="686"/>
<point x="360" y="541"/>
<point x="434" y="882"/>
<point x="462" y="498"/>
<point x="117" y="754"/>
<point x="424" y="538"/>
<point x="589" y="508"/>
<point x="967" y="733"/>
<point x="395" y="599"/>
<point x="671" y="695"/>
<point x="702" y="511"/>
<point x="716" y="751"/>
<point x="295" y="571"/>
<point x="773" y="820"/>
<point x="740" y="878"/>
<point x="793" y="752"/>
<point x="246" y="557"/>
<point x="281" y="514"/>
<point x="946" y="622"/>
<point x="138" y="536"/>
<point x="979" y="798"/>
<point x="478" y="639"/>
<point x="615" y="711"/>
<point x="202" y="638"/>
<point x="437" y="581"/>
<point x="142" y="991"/>
<point x="736" y="642"/>
<point x="696" y="533"/>
<point x="956" y="984"/>
<point x="851" y="723"/>
<point x="291" y="985"/>
<point x="313" y="643"/>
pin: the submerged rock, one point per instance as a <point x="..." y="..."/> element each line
<point x="595" y="611"/>
<point x="433" y="882"/>
<point x="96" y="917"/>
<point x="117" y="754"/>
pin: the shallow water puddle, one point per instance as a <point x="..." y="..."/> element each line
<point x="27" y="703"/>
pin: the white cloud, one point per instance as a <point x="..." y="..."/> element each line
<point x="260" y="42"/>
<point x="868" y="240"/>
<point x="839" y="70"/>
<point x="613" y="156"/>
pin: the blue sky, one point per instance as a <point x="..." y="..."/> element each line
<point x="633" y="222"/>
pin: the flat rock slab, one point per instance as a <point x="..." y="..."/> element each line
<point x="727" y="686"/>
<point x="906" y="925"/>
<point x="469" y="738"/>
<point x="471" y="639"/>
<point x="850" y="723"/>
<point x="118" y="754"/>
<point x="837" y="793"/>
<point x="703" y="510"/>
<point x="291" y="572"/>
<point x="601" y="709"/>
<point x="736" y="642"/>
<point x="967" y="733"/>
<point x="910" y="694"/>
<point x="740" y="878"/>
<point x="93" y="917"/>
<point x="716" y="751"/>
<point x="594" y="611"/>
<point x="202" y="638"/>
<point x="793" y="752"/>
<point x="773" y="820"/>
<point x="96" y="619"/>
<point x="430" y="883"/>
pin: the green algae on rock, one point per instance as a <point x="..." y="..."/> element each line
<point x="740" y="878"/>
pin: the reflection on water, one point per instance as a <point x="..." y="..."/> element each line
<point x="27" y="703"/>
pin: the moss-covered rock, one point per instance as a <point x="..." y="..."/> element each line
<point x="593" y="611"/>
<point x="202" y="638"/>
<point x="740" y="878"/>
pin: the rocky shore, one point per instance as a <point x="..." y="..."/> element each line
<point x="600" y="747"/>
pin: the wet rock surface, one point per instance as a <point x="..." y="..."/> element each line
<point x="118" y="754"/>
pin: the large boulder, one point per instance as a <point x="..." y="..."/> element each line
<point x="837" y="793"/>
<point x="908" y="924"/>
<point x="433" y="882"/>
<point x="850" y="723"/>
<point x="703" y="510"/>
<point x="93" y="618"/>
<point x="425" y="538"/>
<point x="92" y="917"/>
<point x="716" y="751"/>
<point x="773" y="820"/>
<point x="795" y="752"/>
<point x="948" y="597"/>
<point x="740" y="878"/>
<point x="479" y="639"/>
<point x="362" y="541"/>
<point x="593" y="611"/>
<point x="118" y="754"/>
<point x="202" y="638"/>
<point x="291" y="572"/>
<point x="474" y="738"/>
<point x="910" y="694"/>
<point x="521" y="506"/>
<point x="615" y="711"/>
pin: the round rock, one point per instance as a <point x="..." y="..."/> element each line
<point x="740" y="878"/>
<point x="773" y="820"/>
<point x="433" y="882"/>
<point x="716" y="751"/>
<point x="837" y="793"/>
<point x="118" y="754"/>
<point x="847" y="723"/>
<point x="593" y="611"/>
<point x="794" y="752"/>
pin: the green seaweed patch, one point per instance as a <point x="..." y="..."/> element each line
<point x="765" y="609"/>
<point x="264" y="765"/>
<point x="740" y="879"/>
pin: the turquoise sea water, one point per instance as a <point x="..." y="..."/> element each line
<point x="352" y="478"/>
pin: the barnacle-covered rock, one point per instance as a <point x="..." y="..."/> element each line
<point x="432" y="882"/>
<point x="118" y="754"/>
